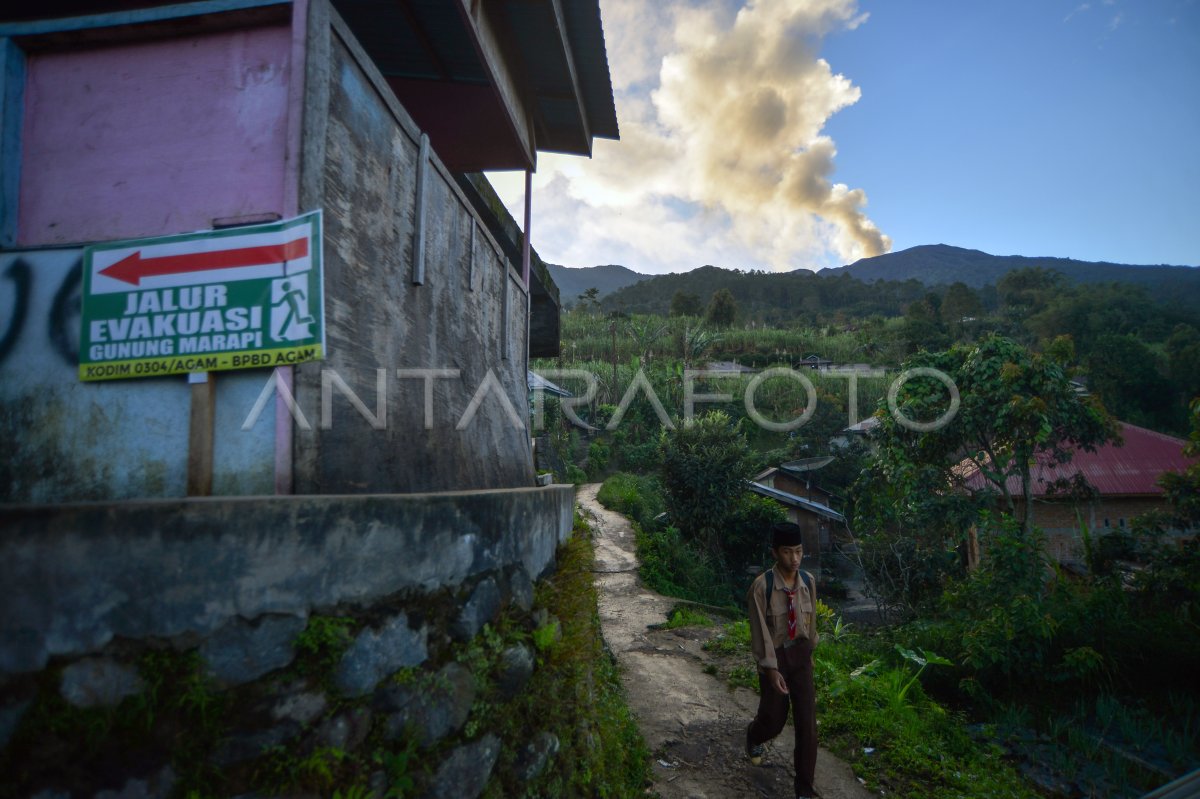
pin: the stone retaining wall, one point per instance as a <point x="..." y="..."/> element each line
<point x="255" y="628"/>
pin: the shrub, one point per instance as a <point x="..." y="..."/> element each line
<point x="598" y="455"/>
<point x="675" y="566"/>
<point x="745" y="539"/>
<point x="704" y="469"/>
<point x="639" y="498"/>
<point x="641" y="457"/>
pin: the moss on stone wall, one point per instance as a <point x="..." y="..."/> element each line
<point x="528" y="706"/>
<point x="575" y="694"/>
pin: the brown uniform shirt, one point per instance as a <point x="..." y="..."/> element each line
<point x="764" y="637"/>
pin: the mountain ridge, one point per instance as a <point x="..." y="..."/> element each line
<point x="608" y="278"/>
<point x="887" y="284"/>
<point x="940" y="264"/>
<point x="929" y="264"/>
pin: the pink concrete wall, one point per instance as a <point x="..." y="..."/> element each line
<point x="156" y="137"/>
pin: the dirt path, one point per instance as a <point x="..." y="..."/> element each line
<point x="693" y="723"/>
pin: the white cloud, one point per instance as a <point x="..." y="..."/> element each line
<point x="722" y="158"/>
<point x="645" y="31"/>
<point x="1082" y="7"/>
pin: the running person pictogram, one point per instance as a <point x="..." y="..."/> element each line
<point x="293" y="305"/>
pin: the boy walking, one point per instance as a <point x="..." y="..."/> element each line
<point x="783" y="633"/>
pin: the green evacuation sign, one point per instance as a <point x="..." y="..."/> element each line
<point x="225" y="299"/>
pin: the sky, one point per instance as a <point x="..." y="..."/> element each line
<point x="788" y="134"/>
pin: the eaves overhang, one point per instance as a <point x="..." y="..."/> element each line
<point x="493" y="82"/>
<point x="797" y="502"/>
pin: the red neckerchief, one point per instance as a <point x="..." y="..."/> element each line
<point x="791" y="596"/>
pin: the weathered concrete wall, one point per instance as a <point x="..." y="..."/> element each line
<point x="361" y="162"/>
<point x="66" y="441"/>
<point x="148" y="138"/>
<point x="72" y="578"/>
<point x="221" y="642"/>
<point x="544" y="303"/>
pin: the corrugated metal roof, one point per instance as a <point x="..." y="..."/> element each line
<point x="586" y="32"/>
<point x="865" y="426"/>
<point x="536" y="382"/>
<point x="799" y="502"/>
<point x="764" y="474"/>
<point x="1132" y="467"/>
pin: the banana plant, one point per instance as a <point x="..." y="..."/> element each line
<point x="921" y="661"/>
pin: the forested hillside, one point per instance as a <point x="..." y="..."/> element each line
<point x="769" y="296"/>
<point x="888" y="283"/>
<point x="941" y="264"/>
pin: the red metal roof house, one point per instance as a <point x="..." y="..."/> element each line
<point x="1124" y="476"/>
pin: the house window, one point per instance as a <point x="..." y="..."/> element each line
<point x="1106" y="523"/>
<point x="1121" y="523"/>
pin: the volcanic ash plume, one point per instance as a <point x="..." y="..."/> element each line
<point x="747" y="99"/>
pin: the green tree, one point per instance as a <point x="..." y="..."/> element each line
<point x="694" y="342"/>
<point x="1061" y="350"/>
<point x="704" y="469"/>
<point x="1086" y="312"/>
<point x="722" y="308"/>
<point x="646" y="332"/>
<point x="1124" y="373"/>
<point x="589" y="300"/>
<point x="908" y="531"/>
<point x="684" y="303"/>
<point x="1183" y="359"/>
<point x="1016" y="406"/>
<point x="959" y="308"/>
<point x="1025" y="291"/>
<point x="923" y="329"/>
<point x="1183" y="488"/>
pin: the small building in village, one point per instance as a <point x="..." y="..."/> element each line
<point x="1123" y="479"/>
<point x="264" y="343"/>
<point x="794" y="486"/>
<point x="860" y="431"/>
<point x="815" y="362"/>
<point x="729" y="367"/>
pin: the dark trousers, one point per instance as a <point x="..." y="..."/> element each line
<point x="795" y="664"/>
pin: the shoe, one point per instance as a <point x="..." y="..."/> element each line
<point x="754" y="751"/>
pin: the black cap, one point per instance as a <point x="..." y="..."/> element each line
<point x="786" y="534"/>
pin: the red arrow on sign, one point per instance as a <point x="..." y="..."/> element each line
<point x="132" y="268"/>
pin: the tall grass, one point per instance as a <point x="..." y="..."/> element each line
<point x="779" y="398"/>
<point x="590" y="337"/>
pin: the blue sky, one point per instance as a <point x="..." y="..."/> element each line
<point x="784" y="134"/>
